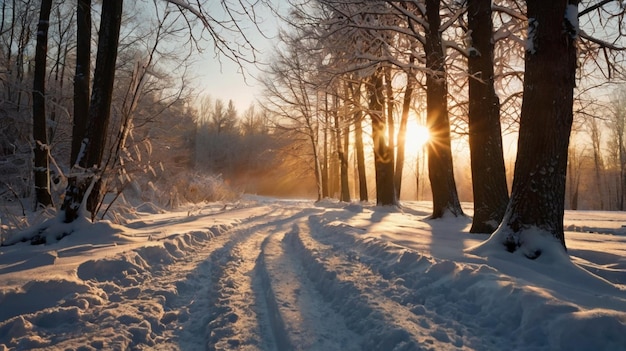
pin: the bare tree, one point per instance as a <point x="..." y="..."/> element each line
<point x="534" y="218"/>
<point x="358" y="141"/>
<point x="82" y="76"/>
<point x="440" y="169"/>
<point x="84" y="183"/>
<point x="291" y="96"/>
<point x="40" y="135"/>
<point x="485" y="135"/>
<point x="617" y="126"/>
<point x="404" y="118"/>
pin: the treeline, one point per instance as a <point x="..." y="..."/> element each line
<point x="247" y="151"/>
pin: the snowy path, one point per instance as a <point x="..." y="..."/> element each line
<point x="286" y="275"/>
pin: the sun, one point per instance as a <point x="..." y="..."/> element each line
<point x="417" y="135"/>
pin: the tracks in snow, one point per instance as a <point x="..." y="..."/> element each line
<point x="303" y="288"/>
<point x="283" y="280"/>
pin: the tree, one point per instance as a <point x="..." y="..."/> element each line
<point x="342" y="150"/>
<point x="358" y="140"/>
<point x="40" y="137"/>
<point x="383" y="162"/>
<point x="82" y="74"/>
<point x="440" y="169"/>
<point x="617" y="125"/>
<point x="406" y="106"/>
<point x="84" y="182"/>
<point x="533" y="222"/>
<point x="485" y="135"/>
<point x="290" y="96"/>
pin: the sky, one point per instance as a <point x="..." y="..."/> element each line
<point x="268" y="274"/>
<point x="224" y="78"/>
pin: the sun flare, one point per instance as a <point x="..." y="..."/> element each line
<point x="417" y="136"/>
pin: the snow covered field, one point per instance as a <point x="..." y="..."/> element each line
<point x="265" y="274"/>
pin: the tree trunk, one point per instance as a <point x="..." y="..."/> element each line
<point x="345" y="180"/>
<point x="93" y="144"/>
<point x="440" y="169"/>
<point x="41" y="148"/>
<point x="325" y="190"/>
<point x="573" y="177"/>
<point x="385" y="194"/>
<point x="358" y="143"/>
<point x="344" y="192"/>
<point x="82" y="76"/>
<point x="391" y="130"/>
<point x="9" y="51"/>
<point x="406" y="106"/>
<point x="485" y="136"/>
<point x="597" y="160"/>
<point x="534" y="216"/>
<point x="318" y="168"/>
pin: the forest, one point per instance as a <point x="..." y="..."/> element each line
<point x="524" y="103"/>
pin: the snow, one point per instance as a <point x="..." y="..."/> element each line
<point x="268" y="274"/>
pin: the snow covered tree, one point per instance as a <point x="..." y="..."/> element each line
<point x="355" y="91"/>
<point x="485" y="135"/>
<point x="383" y="160"/>
<point x="40" y="136"/>
<point x="86" y="172"/>
<point x="404" y="118"/>
<point x="82" y="76"/>
<point x="291" y="96"/>
<point x="440" y="169"/>
<point x="533" y="222"/>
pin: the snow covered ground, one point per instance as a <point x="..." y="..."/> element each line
<point x="265" y="274"/>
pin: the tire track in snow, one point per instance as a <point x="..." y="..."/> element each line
<point x="240" y="312"/>
<point x="301" y="319"/>
<point x="426" y="287"/>
<point x="360" y="296"/>
<point x="371" y="300"/>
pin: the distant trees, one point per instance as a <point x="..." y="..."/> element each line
<point x="240" y="148"/>
<point x="616" y="121"/>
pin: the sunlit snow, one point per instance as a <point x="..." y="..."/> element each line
<point x="266" y="274"/>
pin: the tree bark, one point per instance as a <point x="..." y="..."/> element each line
<point x="385" y="194"/>
<point x="535" y="211"/>
<point x="41" y="148"/>
<point x="325" y="166"/>
<point x="81" y="76"/>
<point x="93" y="144"/>
<point x="344" y="194"/>
<point x="406" y="106"/>
<point x="358" y="143"/>
<point x="318" y="169"/>
<point x="440" y="169"/>
<point x="485" y="136"/>
<point x="597" y="160"/>
<point x="391" y="129"/>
